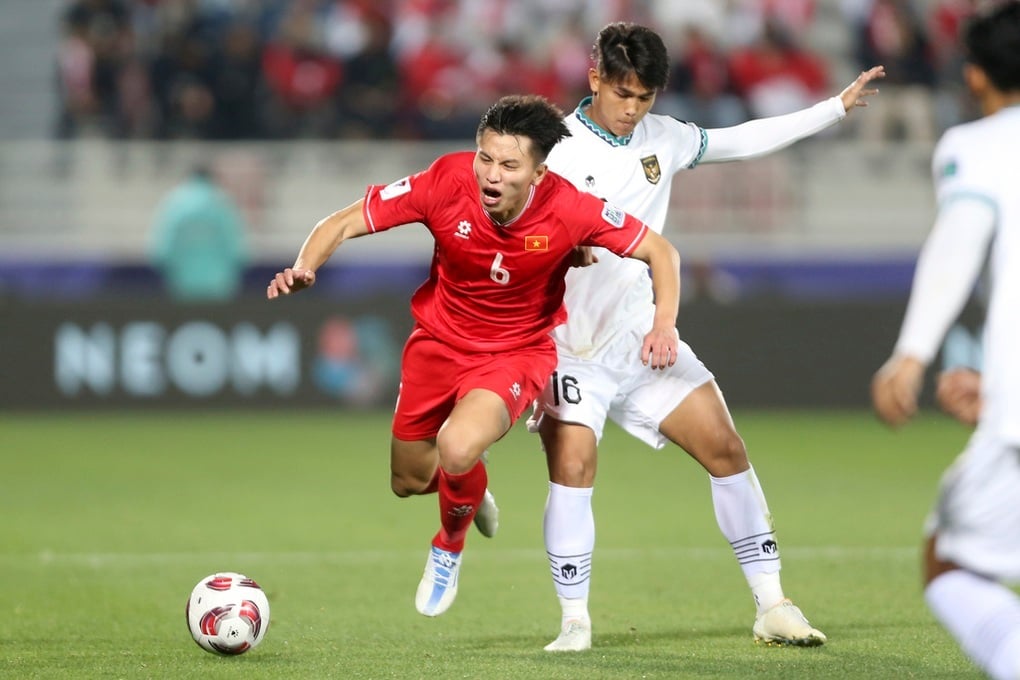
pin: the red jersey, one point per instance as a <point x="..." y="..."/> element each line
<point x="496" y="286"/>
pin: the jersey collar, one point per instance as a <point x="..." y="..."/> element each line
<point x="605" y="135"/>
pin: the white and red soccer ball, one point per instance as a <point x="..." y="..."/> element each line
<point x="227" y="613"/>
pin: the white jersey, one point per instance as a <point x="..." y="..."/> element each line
<point x="976" y="186"/>
<point x="636" y="174"/>
<point x="609" y="304"/>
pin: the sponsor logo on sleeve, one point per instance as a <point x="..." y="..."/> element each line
<point x="398" y="188"/>
<point x="613" y="215"/>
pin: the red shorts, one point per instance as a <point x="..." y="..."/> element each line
<point x="435" y="376"/>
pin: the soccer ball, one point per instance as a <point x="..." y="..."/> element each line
<point x="227" y="613"/>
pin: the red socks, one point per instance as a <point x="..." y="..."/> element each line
<point x="459" y="498"/>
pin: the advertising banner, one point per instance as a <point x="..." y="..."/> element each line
<point x="315" y="351"/>
<point x="107" y="352"/>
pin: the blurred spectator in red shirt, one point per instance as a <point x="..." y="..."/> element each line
<point x="75" y="60"/>
<point x="795" y="16"/>
<point x="891" y="33"/>
<point x="746" y="20"/>
<point x="524" y="71"/>
<point x="440" y="85"/>
<point x="302" y="77"/>
<point x="369" y="99"/>
<point x="699" y="84"/>
<point x="953" y="104"/>
<point x="569" y="58"/>
<point x="94" y="48"/>
<point x="775" y="75"/>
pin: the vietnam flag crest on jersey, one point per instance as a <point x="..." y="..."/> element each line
<point x="536" y="242"/>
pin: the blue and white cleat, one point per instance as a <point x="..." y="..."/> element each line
<point x="438" y="587"/>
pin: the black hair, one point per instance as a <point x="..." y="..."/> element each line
<point x="528" y="116"/>
<point x="624" y="48"/>
<point x="991" y="42"/>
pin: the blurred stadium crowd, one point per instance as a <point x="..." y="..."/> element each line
<point x="425" y="69"/>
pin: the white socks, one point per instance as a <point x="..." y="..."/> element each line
<point x="745" y="521"/>
<point x="569" y="528"/>
<point x="574" y="609"/>
<point x="984" y="618"/>
<point x="766" y="589"/>
<point x="740" y="509"/>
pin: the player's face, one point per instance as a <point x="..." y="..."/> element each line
<point x="618" y="107"/>
<point x="505" y="171"/>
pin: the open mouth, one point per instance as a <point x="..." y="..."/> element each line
<point x="491" y="196"/>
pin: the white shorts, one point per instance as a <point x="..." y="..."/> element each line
<point x="616" y="385"/>
<point x="976" y="518"/>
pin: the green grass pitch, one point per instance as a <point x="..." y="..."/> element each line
<point x="107" y="521"/>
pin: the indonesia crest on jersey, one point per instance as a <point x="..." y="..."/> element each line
<point x="635" y="172"/>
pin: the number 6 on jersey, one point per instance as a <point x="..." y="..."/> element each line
<point x="498" y="273"/>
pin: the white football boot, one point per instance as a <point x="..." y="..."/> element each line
<point x="487" y="517"/>
<point x="784" y="624"/>
<point x="438" y="587"/>
<point x="574" y="637"/>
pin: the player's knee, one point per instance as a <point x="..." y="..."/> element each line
<point x="456" y="455"/>
<point x="733" y="448"/>
<point x="727" y="456"/>
<point x="404" y="484"/>
<point x="403" y="487"/>
<point x="576" y="471"/>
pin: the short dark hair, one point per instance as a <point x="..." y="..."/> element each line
<point x="991" y="42"/>
<point x="529" y="116"/>
<point x="624" y="48"/>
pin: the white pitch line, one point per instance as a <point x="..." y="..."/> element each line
<point x="371" y="557"/>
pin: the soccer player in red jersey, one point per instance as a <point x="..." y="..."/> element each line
<point x="505" y="231"/>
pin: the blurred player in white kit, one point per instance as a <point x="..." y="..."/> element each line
<point x="973" y="532"/>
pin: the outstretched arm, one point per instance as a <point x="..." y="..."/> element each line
<point x="661" y="343"/>
<point x="325" y="238"/>
<point x="765" y="135"/>
<point x="949" y="263"/>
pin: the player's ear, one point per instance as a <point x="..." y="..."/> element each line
<point x="975" y="78"/>
<point x="593" y="80"/>
<point x="540" y="172"/>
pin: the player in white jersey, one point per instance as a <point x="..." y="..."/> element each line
<point x="973" y="533"/>
<point x="622" y="153"/>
